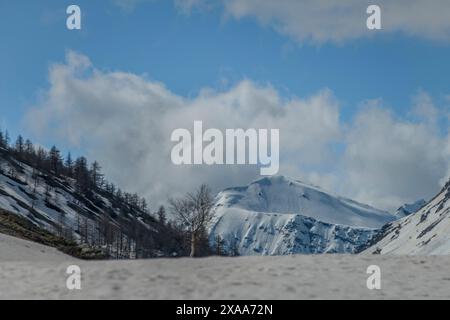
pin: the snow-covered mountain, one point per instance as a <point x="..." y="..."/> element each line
<point x="277" y="215"/>
<point x="408" y="209"/>
<point x="426" y="232"/>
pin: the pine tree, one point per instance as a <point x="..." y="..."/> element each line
<point x="29" y="146"/>
<point x="119" y="195"/>
<point x="81" y="175"/>
<point x="41" y="155"/>
<point x="144" y="206"/>
<point x="55" y="160"/>
<point x="95" y="175"/>
<point x="7" y="139"/>
<point x="2" y="140"/>
<point x="68" y="164"/>
<point x="162" y="215"/>
<point x="20" y="145"/>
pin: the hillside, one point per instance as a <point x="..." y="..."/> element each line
<point x="74" y="203"/>
<point x="426" y="232"/>
<point x="16" y="226"/>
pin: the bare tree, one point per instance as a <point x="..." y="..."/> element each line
<point x="194" y="213"/>
<point x="219" y="245"/>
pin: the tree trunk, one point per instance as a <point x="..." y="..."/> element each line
<point x="193" y="244"/>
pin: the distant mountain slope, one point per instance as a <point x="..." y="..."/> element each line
<point x="425" y="232"/>
<point x="277" y="215"/>
<point x="408" y="209"/>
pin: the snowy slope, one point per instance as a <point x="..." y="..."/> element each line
<point x="277" y="215"/>
<point x="408" y="209"/>
<point x="52" y="203"/>
<point x="19" y="195"/>
<point x="426" y="232"/>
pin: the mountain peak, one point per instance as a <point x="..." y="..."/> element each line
<point x="280" y="215"/>
<point x="284" y="195"/>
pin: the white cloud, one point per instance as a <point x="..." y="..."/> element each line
<point x="390" y="161"/>
<point x="321" y="21"/>
<point x="125" y="121"/>
<point x="424" y="107"/>
<point x="187" y="6"/>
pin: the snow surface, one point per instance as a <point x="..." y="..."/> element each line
<point x="285" y="277"/>
<point x="277" y="216"/>
<point x="426" y="232"/>
<point x="33" y="271"/>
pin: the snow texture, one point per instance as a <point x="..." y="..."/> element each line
<point x="42" y="275"/>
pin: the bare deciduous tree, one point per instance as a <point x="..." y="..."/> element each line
<point x="194" y="212"/>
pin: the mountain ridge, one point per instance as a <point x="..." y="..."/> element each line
<point x="278" y="215"/>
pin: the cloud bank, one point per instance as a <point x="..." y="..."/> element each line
<point x="320" y="21"/>
<point x="125" y="121"/>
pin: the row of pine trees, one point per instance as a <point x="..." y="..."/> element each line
<point x="88" y="177"/>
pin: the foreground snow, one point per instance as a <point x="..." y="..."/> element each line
<point x="42" y="275"/>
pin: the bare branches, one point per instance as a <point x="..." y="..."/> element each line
<point x="194" y="213"/>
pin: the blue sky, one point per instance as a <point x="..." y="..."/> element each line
<point x="190" y="52"/>
<point x="210" y="48"/>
